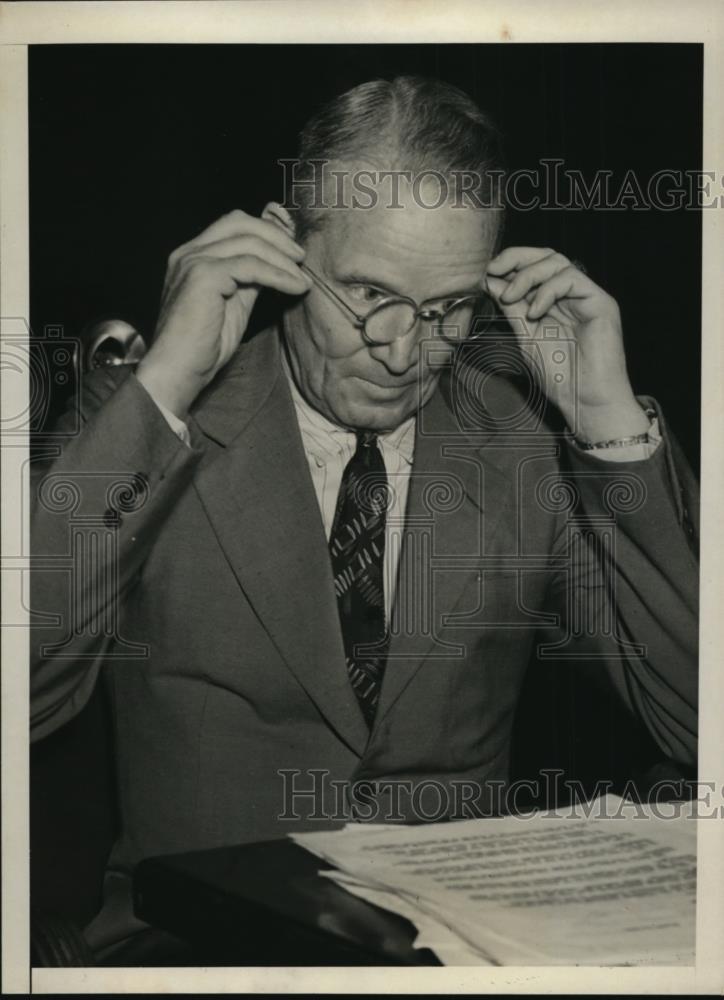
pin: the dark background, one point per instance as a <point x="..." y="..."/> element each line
<point x="134" y="149"/>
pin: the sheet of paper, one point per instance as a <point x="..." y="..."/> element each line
<point x="544" y="889"/>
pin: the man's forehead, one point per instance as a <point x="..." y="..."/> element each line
<point x="411" y="239"/>
<point x="412" y="221"/>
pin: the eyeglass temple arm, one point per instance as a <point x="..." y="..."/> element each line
<point x="359" y="320"/>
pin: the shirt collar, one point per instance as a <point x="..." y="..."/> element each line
<point x="322" y="437"/>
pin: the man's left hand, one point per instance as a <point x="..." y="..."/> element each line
<point x="571" y="330"/>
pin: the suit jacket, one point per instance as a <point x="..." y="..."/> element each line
<point x="199" y="579"/>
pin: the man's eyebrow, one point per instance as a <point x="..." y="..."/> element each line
<point x="359" y="278"/>
<point x="473" y="290"/>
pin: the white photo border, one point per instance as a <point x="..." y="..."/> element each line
<point x="342" y="21"/>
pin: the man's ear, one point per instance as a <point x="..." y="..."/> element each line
<point x="278" y="214"/>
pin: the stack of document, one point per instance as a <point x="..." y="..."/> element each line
<point x="613" y="885"/>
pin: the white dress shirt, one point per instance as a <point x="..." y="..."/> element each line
<point x="329" y="447"/>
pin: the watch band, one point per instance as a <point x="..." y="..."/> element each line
<point x="624" y="442"/>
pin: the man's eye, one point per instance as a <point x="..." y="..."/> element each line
<point x="454" y="305"/>
<point x="365" y="294"/>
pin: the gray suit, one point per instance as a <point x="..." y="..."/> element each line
<point x="227" y="665"/>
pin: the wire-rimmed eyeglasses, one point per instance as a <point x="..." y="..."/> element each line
<point x="394" y="316"/>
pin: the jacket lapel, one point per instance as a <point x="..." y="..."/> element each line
<point x="458" y="491"/>
<point x="258" y="494"/>
<point x="259" y="497"/>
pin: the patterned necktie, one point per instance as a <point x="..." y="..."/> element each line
<point x="357" y="549"/>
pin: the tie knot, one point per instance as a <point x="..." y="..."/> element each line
<point x="366" y="439"/>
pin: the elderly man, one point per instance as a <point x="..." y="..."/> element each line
<point x="324" y="556"/>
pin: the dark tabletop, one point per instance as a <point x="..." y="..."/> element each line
<point x="266" y="904"/>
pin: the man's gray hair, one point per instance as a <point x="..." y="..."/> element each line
<point x="410" y="123"/>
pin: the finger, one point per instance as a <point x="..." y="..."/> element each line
<point x="533" y="275"/>
<point x="517" y="312"/>
<point x="567" y="284"/>
<point x="238" y="246"/>
<point x="515" y="258"/>
<point x="228" y="274"/>
<point x="496" y="287"/>
<point x="238" y="223"/>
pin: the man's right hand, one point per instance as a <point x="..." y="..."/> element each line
<point x="210" y="288"/>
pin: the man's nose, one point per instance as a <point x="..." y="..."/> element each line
<point x="398" y="356"/>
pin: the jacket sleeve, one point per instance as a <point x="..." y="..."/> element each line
<point x="100" y="488"/>
<point x="627" y="598"/>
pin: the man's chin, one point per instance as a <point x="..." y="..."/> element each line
<point x="375" y="408"/>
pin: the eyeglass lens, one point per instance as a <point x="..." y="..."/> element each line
<point x="393" y="320"/>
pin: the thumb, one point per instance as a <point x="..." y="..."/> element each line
<point x="519" y="310"/>
<point x="495" y="286"/>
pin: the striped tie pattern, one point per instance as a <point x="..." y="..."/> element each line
<point x="357" y="549"/>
